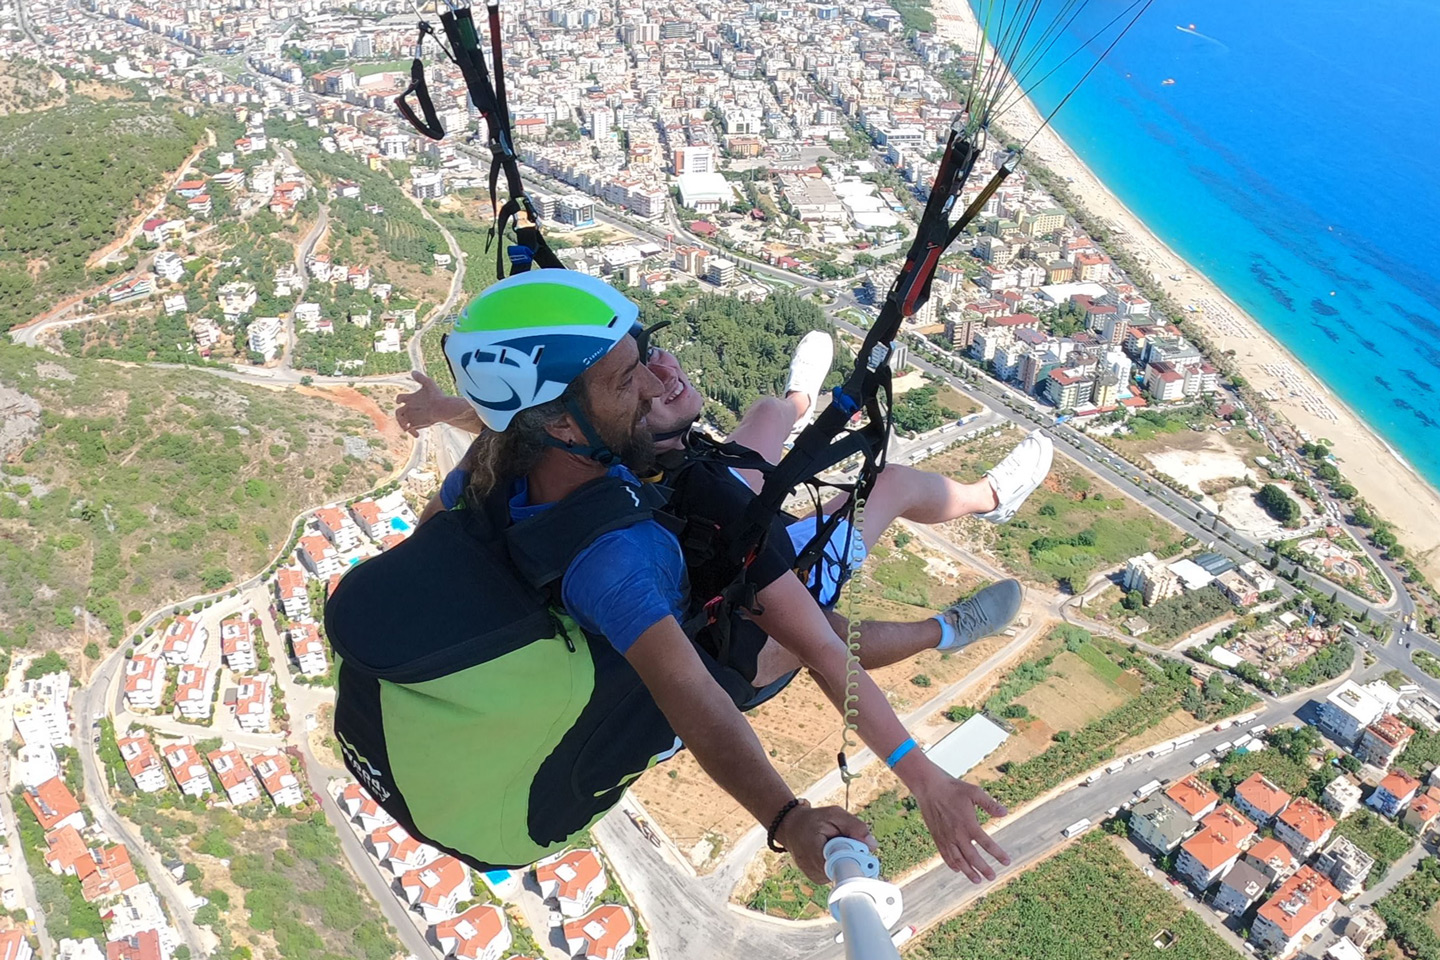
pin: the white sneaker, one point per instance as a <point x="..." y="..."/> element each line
<point x="809" y="368"/>
<point x="1019" y="474"/>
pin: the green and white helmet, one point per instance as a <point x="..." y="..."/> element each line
<point x="528" y="337"/>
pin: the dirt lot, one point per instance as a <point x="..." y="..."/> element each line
<point x="396" y="440"/>
<point x="1205" y="459"/>
<point x="1072" y="696"/>
<point x="1240" y="510"/>
<point x="1073" y="526"/>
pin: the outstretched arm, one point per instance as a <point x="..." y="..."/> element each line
<point x="430" y="405"/>
<point x="708" y="723"/>
<point x="948" y="804"/>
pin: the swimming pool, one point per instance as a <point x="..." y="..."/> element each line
<point x="400" y="524"/>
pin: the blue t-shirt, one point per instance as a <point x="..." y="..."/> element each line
<point x="453" y="487"/>
<point x="625" y="582"/>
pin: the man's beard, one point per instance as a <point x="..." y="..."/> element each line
<point x="636" y="449"/>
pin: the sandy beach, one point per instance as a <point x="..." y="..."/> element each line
<point x="1382" y="476"/>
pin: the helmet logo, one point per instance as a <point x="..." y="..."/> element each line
<point x="488" y="371"/>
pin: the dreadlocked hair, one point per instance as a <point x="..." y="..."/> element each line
<point x="497" y="457"/>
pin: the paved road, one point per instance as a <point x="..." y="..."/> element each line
<point x="89" y="706"/>
<point x="303" y="249"/>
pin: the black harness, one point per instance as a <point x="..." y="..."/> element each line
<point x="464" y="51"/>
<point x="826" y="441"/>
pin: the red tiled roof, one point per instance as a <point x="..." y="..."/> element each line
<point x="51" y="802"/>
<point x="437" y="880"/>
<point x="141" y="668"/>
<point x="332" y="517"/>
<point x="1299" y="900"/>
<point x="1213" y="847"/>
<point x="1270" y="851"/>
<point x="1261" y="794"/>
<point x="290" y="582"/>
<point x="144" y="945"/>
<point x="1192" y="795"/>
<point x="366" y="510"/>
<point x="10" y="943"/>
<point x="317" y="547"/>
<point x="67" y="850"/>
<point x="1399" y="784"/>
<point x="473" y="931"/>
<point x="1427" y="805"/>
<point x="229" y="765"/>
<point x="114" y="873"/>
<point x="574" y="872"/>
<point x="602" y="929"/>
<point x="1306" y="818"/>
<point x="138" y="754"/>
<point x="1391" y="729"/>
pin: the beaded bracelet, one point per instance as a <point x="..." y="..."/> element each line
<point x="775" y="824"/>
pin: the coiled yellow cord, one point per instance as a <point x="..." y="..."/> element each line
<point x="850" y="709"/>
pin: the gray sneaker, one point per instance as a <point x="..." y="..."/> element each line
<point x="983" y="615"/>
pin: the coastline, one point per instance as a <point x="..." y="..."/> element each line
<point x="1382" y="476"/>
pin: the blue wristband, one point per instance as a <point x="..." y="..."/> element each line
<point x="899" y="752"/>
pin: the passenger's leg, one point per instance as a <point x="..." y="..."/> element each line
<point x="771" y="420"/>
<point x="883" y="642"/>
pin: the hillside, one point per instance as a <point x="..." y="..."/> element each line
<point x="124" y="488"/>
<point x="26" y="85"/>
<point x="71" y="177"/>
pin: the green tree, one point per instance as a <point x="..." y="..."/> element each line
<point x="1278" y="504"/>
<point x="50" y="662"/>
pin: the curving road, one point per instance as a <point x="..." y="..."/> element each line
<point x="89" y="706"/>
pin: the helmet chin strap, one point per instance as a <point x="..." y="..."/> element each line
<point x="595" y="448"/>
<point x="677" y="432"/>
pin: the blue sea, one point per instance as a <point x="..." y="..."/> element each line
<point x="1295" y="161"/>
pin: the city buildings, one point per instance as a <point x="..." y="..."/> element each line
<point x="1384" y="740"/>
<point x="274" y="772"/>
<point x="1394" y="793"/>
<point x="1259" y="799"/>
<point x="237" y="645"/>
<point x="1345" y="865"/>
<point x="190" y="774"/>
<point x="1299" y="910"/>
<point x="142" y="763"/>
<point x="184" y="641"/>
<point x="40" y="710"/>
<point x="1303" y="826"/>
<point x="144" y="682"/>
<point x="573" y="879"/>
<point x="233" y="772"/>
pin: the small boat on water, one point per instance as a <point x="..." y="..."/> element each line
<point x="1168" y="82"/>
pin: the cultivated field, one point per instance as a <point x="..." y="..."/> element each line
<point x="1086" y="903"/>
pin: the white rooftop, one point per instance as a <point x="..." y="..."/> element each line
<point x="1191" y="574"/>
<point x="702" y="187"/>
<point x="1058" y="293"/>
<point x="1224" y="657"/>
<point x="1357" y="701"/>
<point x="1344" y="949"/>
<point x="963" y="748"/>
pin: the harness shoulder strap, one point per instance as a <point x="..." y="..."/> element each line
<point x="543" y="546"/>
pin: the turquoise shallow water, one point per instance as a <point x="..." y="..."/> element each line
<point x="1293" y="161"/>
